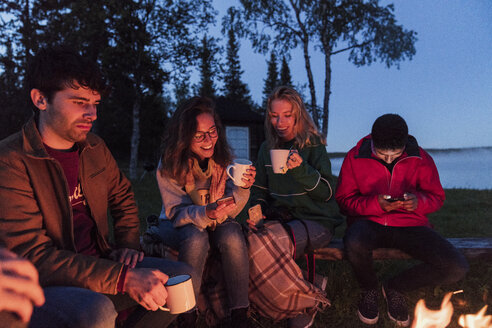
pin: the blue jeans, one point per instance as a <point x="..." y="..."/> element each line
<point x="74" y="307"/>
<point x="194" y="244"/>
<point x="319" y="235"/>
<point x="441" y="263"/>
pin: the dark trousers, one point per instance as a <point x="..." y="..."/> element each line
<point x="441" y="263"/>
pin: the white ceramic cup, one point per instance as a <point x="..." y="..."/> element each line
<point x="279" y="160"/>
<point x="180" y="295"/>
<point x="239" y="166"/>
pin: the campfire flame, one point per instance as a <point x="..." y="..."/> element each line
<point x="425" y="318"/>
<point x="478" y="320"/>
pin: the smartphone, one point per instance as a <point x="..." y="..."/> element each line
<point x="391" y="200"/>
<point x="255" y="214"/>
<point x="226" y="200"/>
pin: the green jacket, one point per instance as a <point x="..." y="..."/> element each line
<point x="304" y="190"/>
<point x="36" y="215"/>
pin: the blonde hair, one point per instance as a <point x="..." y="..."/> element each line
<point x="306" y="132"/>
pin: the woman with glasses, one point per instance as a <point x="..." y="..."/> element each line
<point x="192" y="177"/>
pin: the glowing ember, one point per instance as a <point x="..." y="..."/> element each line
<point x="425" y="318"/>
<point x="478" y="320"/>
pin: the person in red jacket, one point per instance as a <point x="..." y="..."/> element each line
<point x="387" y="186"/>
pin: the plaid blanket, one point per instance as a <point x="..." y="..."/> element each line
<point x="277" y="288"/>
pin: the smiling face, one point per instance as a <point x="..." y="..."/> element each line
<point x="68" y="117"/>
<point x="282" y="119"/>
<point x="388" y="155"/>
<point x="203" y="143"/>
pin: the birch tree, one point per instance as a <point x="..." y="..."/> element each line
<point x="364" y="29"/>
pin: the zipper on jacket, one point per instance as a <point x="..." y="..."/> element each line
<point x="69" y="207"/>
<point x="102" y="245"/>
<point x="391" y="179"/>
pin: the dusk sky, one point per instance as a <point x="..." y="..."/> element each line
<point x="444" y="93"/>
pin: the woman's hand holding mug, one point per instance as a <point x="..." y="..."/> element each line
<point x="248" y="178"/>
<point x="294" y="160"/>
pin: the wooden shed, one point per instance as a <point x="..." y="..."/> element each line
<point x="244" y="127"/>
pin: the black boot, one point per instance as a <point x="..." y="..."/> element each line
<point x="186" y="320"/>
<point x="239" y="318"/>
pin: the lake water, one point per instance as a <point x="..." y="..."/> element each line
<point x="466" y="168"/>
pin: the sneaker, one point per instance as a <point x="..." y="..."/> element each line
<point x="304" y="320"/>
<point x="397" y="307"/>
<point x="320" y="281"/>
<point x="368" y="307"/>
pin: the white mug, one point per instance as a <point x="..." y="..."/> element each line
<point x="279" y="160"/>
<point x="240" y="166"/>
<point x="180" y="294"/>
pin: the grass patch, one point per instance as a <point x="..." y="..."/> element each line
<point x="466" y="213"/>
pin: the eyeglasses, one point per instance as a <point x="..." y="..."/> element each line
<point x="200" y="136"/>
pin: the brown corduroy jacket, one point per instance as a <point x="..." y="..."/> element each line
<point x="36" y="216"/>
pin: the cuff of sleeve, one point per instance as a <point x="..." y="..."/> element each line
<point x="242" y="192"/>
<point x="378" y="209"/>
<point x="122" y="279"/>
<point x="206" y="221"/>
<point x="300" y="171"/>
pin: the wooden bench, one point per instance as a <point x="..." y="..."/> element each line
<point x="472" y="248"/>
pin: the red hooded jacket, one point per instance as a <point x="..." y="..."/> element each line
<point x="363" y="177"/>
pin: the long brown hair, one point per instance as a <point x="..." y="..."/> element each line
<point x="179" y="134"/>
<point x="306" y="132"/>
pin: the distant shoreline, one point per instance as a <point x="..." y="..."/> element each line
<point x="438" y="150"/>
<point x="431" y="150"/>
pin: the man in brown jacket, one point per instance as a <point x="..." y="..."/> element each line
<point x="57" y="182"/>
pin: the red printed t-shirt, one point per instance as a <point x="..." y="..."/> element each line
<point x="83" y="224"/>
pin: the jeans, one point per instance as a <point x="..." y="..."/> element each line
<point x="441" y="263"/>
<point x="79" y="308"/>
<point x="194" y="244"/>
<point x="319" y="235"/>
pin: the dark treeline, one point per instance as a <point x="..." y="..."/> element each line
<point x="148" y="50"/>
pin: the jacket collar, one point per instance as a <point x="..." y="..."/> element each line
<point x="365" y="149"/>
<point x="33" y="144"/>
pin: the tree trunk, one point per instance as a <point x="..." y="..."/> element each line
<point x="326" y="101"/>
<point x="26" y="32"/>
<point x="135" y="141"/>
<point x="312" y="88"/>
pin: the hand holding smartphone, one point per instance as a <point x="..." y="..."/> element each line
<point x="390" y="199"/>
<point x="225" y="200"/>
<point x="255" y="214"/>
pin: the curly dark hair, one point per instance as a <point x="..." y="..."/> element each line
<point x="54" y="69"/>
<point x="178" y="136"/>
<point x="389" y="131"/>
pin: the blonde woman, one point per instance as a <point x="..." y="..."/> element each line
<point x="300" y="195"/>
